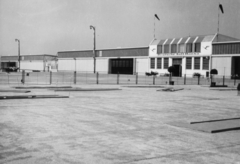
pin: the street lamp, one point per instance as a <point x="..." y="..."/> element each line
<point x="94" y="46"/>
<point x="17" y="40"/>
<point x="75" y="64"/>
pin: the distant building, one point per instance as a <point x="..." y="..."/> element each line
<point x="30" y="62"/>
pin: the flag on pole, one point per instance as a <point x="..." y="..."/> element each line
<point x="157" y="17"/>
<point x="221" y="8"/>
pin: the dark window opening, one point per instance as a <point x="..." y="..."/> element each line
<point x="159" y="63"/>
<point x="197" y="63"/>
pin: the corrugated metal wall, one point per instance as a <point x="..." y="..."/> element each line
<point x="105" y="53"/>
<point x="125" y="52"/>
<point x="76" y="54"/>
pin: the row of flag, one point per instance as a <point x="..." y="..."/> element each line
<point x="220" y="7"/>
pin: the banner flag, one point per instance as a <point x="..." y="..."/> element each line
<point x="157" y="17"/>
<point x="221" y="8"/>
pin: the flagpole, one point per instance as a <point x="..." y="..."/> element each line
<point x="154" y="27"/>
<point x="218" y="22"/>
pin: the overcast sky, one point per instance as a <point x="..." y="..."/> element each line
<point x="49" y="26"/>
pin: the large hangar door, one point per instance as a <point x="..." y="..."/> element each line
<point x="121" y="66"/>
<point x="236" y="66"/>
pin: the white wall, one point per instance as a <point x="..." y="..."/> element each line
<point x="152" y="50"/>
<point x="222" y="64"/>
<point x="206" y="48"/>
<point x="33" y="65"/>
<point x="85" y="65"/>
<point x="82" y="65"/>
<point x="66" y="65"/>
<point x="142" y="65"/>
<point x="102" y="65"/>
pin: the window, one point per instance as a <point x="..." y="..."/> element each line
<point x="197" y="63"/>
<point x="181" y="48"/>
<point x="173" y="48"/>
<point x="205" y="65"/>
<point x="159" y="49"/>
<point x="197" y="47"/>
<point x="188" y="63"/>
<point x="152" y="64"/>
<point x="166" y="61"/>
<point x="166" y="48"/>
<point x="189" y="47"/>
<point x="159" y="63"/>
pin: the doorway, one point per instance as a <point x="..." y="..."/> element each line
<point x="177" y="63"/>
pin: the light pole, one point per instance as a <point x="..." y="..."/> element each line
<point x="75" y="64"/>
<point x="17" y="40"/>
<point x="94" y="47"/>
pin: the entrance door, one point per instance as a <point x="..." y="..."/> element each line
<point x="177" y="63"/>
<point x="121" y="66"/>
<point x="236" y="66"/>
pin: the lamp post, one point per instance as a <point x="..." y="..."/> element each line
<point x="75" y="64"/>
<point x="94" y="47"/>
<point x="17" y="40"/>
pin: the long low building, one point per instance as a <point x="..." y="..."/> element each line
<point x="112" y="61"/>
<point x="30" y="63"/>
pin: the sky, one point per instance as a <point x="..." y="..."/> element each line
<point x="50" y="26"/>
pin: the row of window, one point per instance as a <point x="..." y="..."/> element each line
<point x="122" y="63"/>
<point x="189" y="60"/>
<point x="232" y="48"/>
<point x="179" y="48"/>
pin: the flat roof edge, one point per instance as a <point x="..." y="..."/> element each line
<point x="123" y="48"/>
<point x="237" y="41"/>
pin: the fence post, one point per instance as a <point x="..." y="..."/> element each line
<point x="50" y="77"/>
<point x="234" y="80"/>
<point x="97" y="77"/>
<point x="118" y="78"/>
<point x="136" y="78"/>
<point x="63" y="78"/>
<point x="223" y="80"/>
<point x="153" y="79"/>
<point x="198" y="79"/>
<point x="184" y="79"/>
<point x="23" y="77"/>
<point x="8" y="78"/>
<point x="75" y="77"/>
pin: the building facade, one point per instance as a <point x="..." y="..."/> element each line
<point x="191" y="55"/>
<point x="110" y="61"/>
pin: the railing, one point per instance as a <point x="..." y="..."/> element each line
<point x="69" y="78"/>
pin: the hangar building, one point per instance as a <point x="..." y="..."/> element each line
<point x="111" y="61"/>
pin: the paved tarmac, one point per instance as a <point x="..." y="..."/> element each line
<point x="130" y="126"/>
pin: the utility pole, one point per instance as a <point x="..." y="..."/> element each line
<point x="17" y="40"/>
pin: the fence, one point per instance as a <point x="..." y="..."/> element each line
<point x="69" y="78"/>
